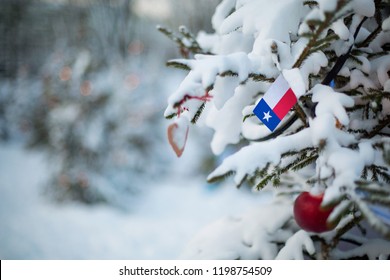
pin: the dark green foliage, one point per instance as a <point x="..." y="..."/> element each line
<point x="185" y="40"/>
<point x="198" y="113"/>
<point x="299" y="161"/>
<point x="178" y="65"/>
<point x="222" y="177"/>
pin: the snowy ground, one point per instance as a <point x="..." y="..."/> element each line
<point x="163" y="220"/>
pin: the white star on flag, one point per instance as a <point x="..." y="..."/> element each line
<point x="267" y="116"/>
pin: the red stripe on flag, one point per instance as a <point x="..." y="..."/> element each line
<point x="285" y="104"/>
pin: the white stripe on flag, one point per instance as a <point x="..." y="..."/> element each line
<point x="276" y="91"/>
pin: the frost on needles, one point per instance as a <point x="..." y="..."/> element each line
<point x="335" y="141"/>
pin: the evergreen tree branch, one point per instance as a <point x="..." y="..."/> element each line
<point x="310" y="3"/>
<point x="186" y="41"/>
<point x="373" y="188"/>
<point x="198" y="113"/>
<point x="260" y="78"/>
<point x="171" y="116"/>
<point x="382" y="124"/>
<point x="374" y="221"/>
<point x="345" y="229"/>
<point x="327" y="39"/>
<point x="355" y="59"/>
<point x="376" y="95"/>
<point x="221" y="177"/>
<point x="370" y="37"/>
<point x="374" y="199"/>
<point x="342" y="59"/>
<point x="313" y="46"/>
<point x="321" y="27"/>
<point x="178" y="65"/>
<point x="248" y="116"/>
<point x="194" y="46"/>
<point x="301" y="114"/>
<point x="377" y="54"/>
<point x="296" y="165"/>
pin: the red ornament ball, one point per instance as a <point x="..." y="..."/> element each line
<point x="309" y="214"/>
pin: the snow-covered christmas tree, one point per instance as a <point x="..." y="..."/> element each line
<point x="321" y="146"/>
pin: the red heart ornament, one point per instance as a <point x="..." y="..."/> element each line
<point x="177" y="136"/>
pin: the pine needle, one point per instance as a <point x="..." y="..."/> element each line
<point x="221" y="177"/>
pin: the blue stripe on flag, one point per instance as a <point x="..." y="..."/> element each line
<point x="266" y="115"/>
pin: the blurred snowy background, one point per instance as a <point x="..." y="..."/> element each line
<point x="85" y="168"/>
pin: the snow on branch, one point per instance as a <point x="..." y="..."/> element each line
<point x="295" y="244"/>
<point x="256" y="156"/>
<point x="204" y="70"/>
<point x="372" y="249"/>
<point x="252" y="235"/>
<point x="254" y="15"/>
<point x="330" y="101"/>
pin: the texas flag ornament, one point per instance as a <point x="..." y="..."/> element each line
<point x="276" y="103"/>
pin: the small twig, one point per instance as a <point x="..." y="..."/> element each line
<point x="345" y="229"/>
<point x="301" y="114"/>
<point x="370" y="37"/>
<point x="378" y="128"/>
